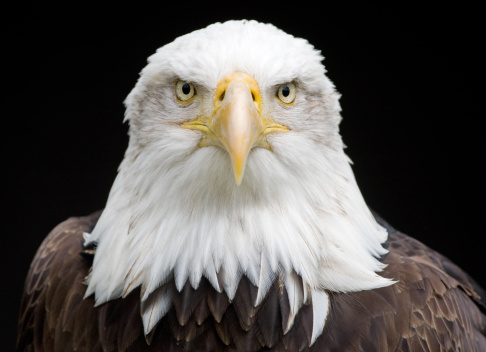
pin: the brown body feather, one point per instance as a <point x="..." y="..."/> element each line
<point x="435" y="306"/>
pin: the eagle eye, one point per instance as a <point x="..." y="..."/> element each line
<point x="184" y="91"/>
<point x="286" y="93"/>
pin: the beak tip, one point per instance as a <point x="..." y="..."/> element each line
<point x="238" y="164"/>
<point x="238" y="177"/>
<point x="238" y="172"/>
<point x="238" y="180"/>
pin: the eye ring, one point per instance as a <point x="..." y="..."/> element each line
<point x="286" y="93"/>
<point x="184" y="91"/>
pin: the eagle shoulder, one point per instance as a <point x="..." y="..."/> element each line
<point x="434" y="306"/>
<point x="446" y="306"/>
<point x="53" y="312"/>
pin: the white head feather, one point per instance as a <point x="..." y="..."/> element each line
<point x="175" y="211"/>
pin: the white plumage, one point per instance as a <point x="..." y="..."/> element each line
<point x="176" y="212"/>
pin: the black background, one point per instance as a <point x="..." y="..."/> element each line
<point x="412" y="114"/>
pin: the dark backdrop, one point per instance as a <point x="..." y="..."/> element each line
<point x="412" y="119"/>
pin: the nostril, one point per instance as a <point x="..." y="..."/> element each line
<point x="253" y="96"/>
<point x="221" y="97"/>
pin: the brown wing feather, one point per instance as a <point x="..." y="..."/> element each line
<point x="445" y="309"/>
<point x="53" y="291"/>
<point x="435" y="306"/>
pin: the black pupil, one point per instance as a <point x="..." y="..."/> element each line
<point x="186" y="88"/>
<point x="286" y="91"/>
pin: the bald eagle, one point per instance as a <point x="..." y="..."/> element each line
<point x="235" y="224"/>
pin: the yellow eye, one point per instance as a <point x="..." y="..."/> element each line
<point x="286" y="93"/>
<point x="184" y="90"/>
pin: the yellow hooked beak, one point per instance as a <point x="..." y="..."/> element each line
<point x="237" y="124"/>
